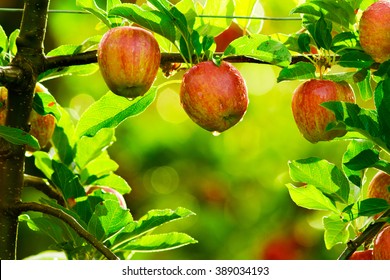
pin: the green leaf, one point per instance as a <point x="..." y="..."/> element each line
<point x="325" y="176"/>
<point x="260" y="47"/>
<point x="212" y="26"/>
<point x="97" y="168"/>
<point x="110" y="110"/>
<point x="364" y="159"/>
<point x="159" y="242"/>
<point x="356" y="59"/>
<point x="362" y="79"/>
<point x="355" y="147"/>
<point x="3" y="40"/>
<point x="155" y="21"/>
<point x="76" y="70"/>
<point x="62" y="138"/>
<point x="113" y="181"/>
<point x="12" y="42"/>
<point x="18" y="137"/>
<point x="111" y="3"/>
<point x="336" y="231"/>
<point x="89" y="148"/>
<point x="44" y="103"/>
<point x="150" y="221"/>
<point x="251" y="8"/>
<point x="311" y="197"/>
<point x="304" y="41"/>
<point x="69" y="184"/>
<point x="92" y="7"/>
<point x="108" y="218"/>
<point x="344" y="42"/>
<point x="366" y="207"/>
<point x="298" y="71"/>
<point x="364" y="121"/>
<point x="339" y="12"/>
<point x="322" y="35"/>
<point x="43" y="162"/>
<point x="187" y="8"/>
<point x="382" y="103"/>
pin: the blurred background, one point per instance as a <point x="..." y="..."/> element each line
<point x="235" y="182"/>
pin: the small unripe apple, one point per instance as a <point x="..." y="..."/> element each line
<point x="374" y="30"/>
<point x="41" y="127"/>
<point x="214" y="97"/>
<point x="122" y="202"/>
<point x="362" y="255"/>
<point x="310" y="117"/>
<point x="129" y="59"/>
<point x="382" y="245"/>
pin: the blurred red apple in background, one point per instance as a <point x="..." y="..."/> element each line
<point x="310" y="117"/>
<point x="374" y="30"/>
<point x="129" y="59"/>
<point x="214" y="97"/>
<point x="223" y="40"/>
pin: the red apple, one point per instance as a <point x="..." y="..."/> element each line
<point x="214" y="97"/>
<point x="121" y="200"/>
<point x="223" y="40"/>
<point x="362" y="255"/>
<point x="41" y="127"/>
<point x="129" y="59"/>
<point x="281" y="248"/>
<point x="382" y="245"/>
<point x="379" y="186"/>
<point x="374" y="30"/>
<point x="310" y="117"/>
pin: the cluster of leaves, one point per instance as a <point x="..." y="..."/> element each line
<point x="77" y="159"/>
<point x="187" y="29"/>
<point x="331" y="26"/>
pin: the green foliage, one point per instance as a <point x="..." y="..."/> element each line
<point x="18" y="137"/>
<point x="79" y="155"/>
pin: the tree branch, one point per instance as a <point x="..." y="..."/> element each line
<point x="41" y="185"/>
<point x="24" y="69"/>
<point x="166" y="58"/>
<point x="368" y="234"/>
<point x="10" y="75"/>
<point x="72" y="222"/>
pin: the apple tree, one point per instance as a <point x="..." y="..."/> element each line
<point x="83" y="209"/>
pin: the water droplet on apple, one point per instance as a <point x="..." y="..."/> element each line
<point x="216" y="133"/>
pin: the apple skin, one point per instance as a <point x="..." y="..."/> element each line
<point x="121" y="200"/>
<point x="379" y="186"/>
<point x="223" y="40"/>
<point x="362" y="255"/>
<point x="382" y="245"/>
<point x="41" y="127"/>
<point x="214" y="97"/>
<point x="374" y="30"/>
<point x="310" y="117"/>
<point x="129" y="59"/>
